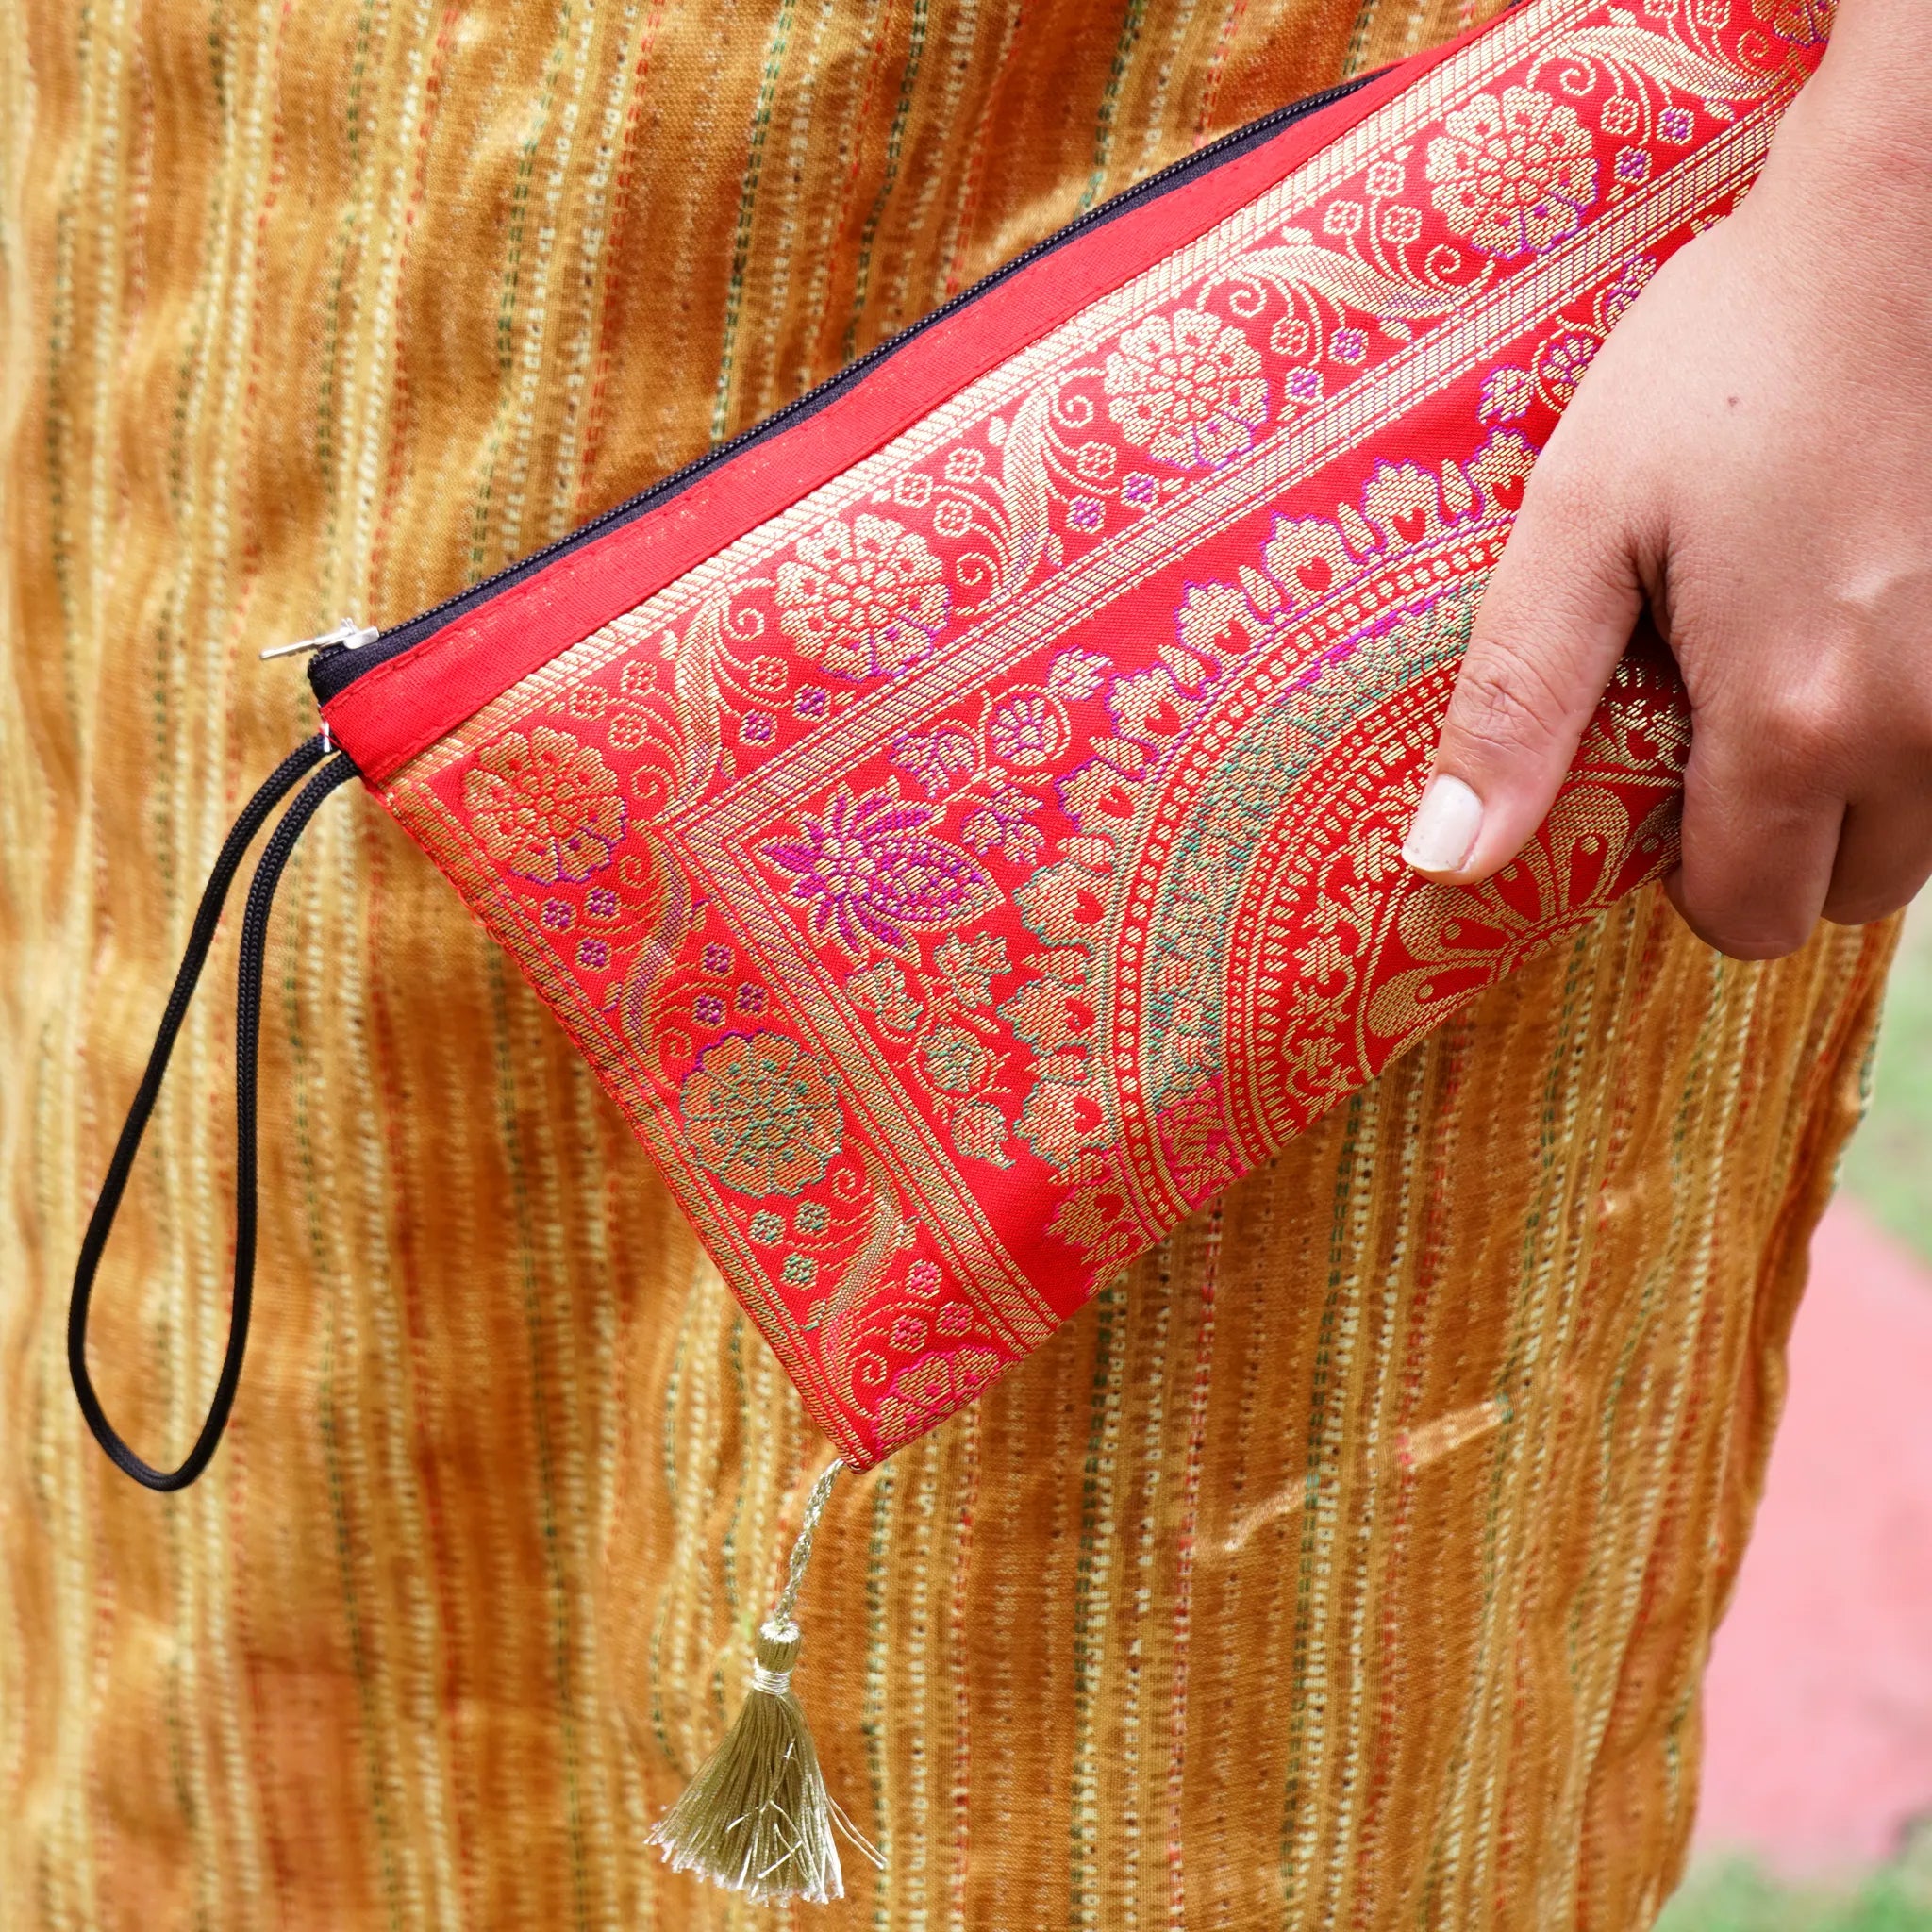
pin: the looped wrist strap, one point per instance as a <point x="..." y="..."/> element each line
<point x="334" y="772"/>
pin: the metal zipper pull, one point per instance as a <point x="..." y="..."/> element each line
<point x="349" y="634"/>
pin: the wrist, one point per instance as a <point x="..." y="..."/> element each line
<point x="1846" y="188"/>
<point x="1862" y="126"/>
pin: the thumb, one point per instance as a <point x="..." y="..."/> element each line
<point x="1553" y="622"/>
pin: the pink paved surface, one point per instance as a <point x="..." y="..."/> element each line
<point x="1819" y="1699"/>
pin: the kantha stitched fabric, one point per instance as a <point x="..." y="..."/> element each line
<point x="1352" y="1558"/>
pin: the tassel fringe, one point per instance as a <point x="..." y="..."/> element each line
<point x="758" y="1818"/>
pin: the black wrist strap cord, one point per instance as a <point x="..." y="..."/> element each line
<point x="333" y="773"/>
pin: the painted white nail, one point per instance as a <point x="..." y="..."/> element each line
<point x="1445" y="828"/>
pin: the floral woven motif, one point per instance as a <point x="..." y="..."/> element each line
<point x="969" y="871"/>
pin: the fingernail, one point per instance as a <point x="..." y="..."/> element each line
<point x="1446" y="828"/>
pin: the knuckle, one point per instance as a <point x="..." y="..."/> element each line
<point x="1802" y="731"/>
<point x="1758" y="946"/>
<point x="1566" y="492"/>
<point x="1912" y="720"/>
<point x="1743" y="932"/>
<point x="1505" y="701"/>
<point x="1858" y="912"/>
<point x="1816" y="721"/>
<point x="1749" y="940"/>
<point x="1865" y="906"/>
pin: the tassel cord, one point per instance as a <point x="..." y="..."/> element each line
<point x="815" y="1506"/>
<point x="757" y="1818"/>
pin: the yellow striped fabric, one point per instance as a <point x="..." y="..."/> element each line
<point x="1352" y="1562"/>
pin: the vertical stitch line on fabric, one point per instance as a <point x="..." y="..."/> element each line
<point x="809" y="329"/>
<point x="956" y="241"/>
<point x="914" y="1651"/>
<point x="195" y="800"/>
<point x="555" y="1200"/>
<point x="625" y="179"/>
<point x="1436" y="1118"/>
<point x="1308" y="1651"/>
<point x="1614" y="969"/>
<point x="1750" y="987"/>
<point x="1588" y="1127"/>
<point x="1594" y="1699"/>
<point x="1571" y="1155"/>
<point x="1109" y="101"/>
<point x="792" y="176"/>
<point x="1092" y="1586"/>
<point x="367" y="345"/>
<point x="540" y="353"/>
<point x="437" y="1598"/>
<point x="373" y="332"/>
<point x="747" y="203"/>
<point x="227" y="1633"/>
<point x="524" y="1220"/>
<point x="348" y="228"/>
<point x="682" y="1415"/>
<point x="609" y="91"/>
<point x="958" y="1640"/>
<point x="1512" y="1485"/>
<point x="1379" y="1393"/>
<point x="1215" y="66"/>
<point x="1150" y="1380"/>
<point x="1156" y="129"/>
<point x="344" y="1461"/>
<point x="634" y="1897"/>
<point x="878" y="1724"/>
<point x="514" y="311"/>
<point x="396" y="419"/>
<point x="941" y="117"/>
<point x="1647" y="1491"/>
<point x="1187" y="1529"/>
<point x="895" y="137"/>
<point x="752" y="1456"/>
<point x="1445" y="1862"/>
<point x="1358" y="38"/>
<point x="69" y="1850"/>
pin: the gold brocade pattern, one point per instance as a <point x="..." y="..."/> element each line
<point x="1351" y="1561"/>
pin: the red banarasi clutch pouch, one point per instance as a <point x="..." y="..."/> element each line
<point x="959" y="818"/>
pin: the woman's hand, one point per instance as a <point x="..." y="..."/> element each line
<point x="1750" y="454"/>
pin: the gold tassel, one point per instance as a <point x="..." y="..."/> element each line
<point x="758" y="1818"/>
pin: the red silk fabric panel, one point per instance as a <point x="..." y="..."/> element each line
<point x="967" y="871"/>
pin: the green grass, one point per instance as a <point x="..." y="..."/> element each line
<point x="1889" y="1167"/>
<point x="1736" y="1896"/>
